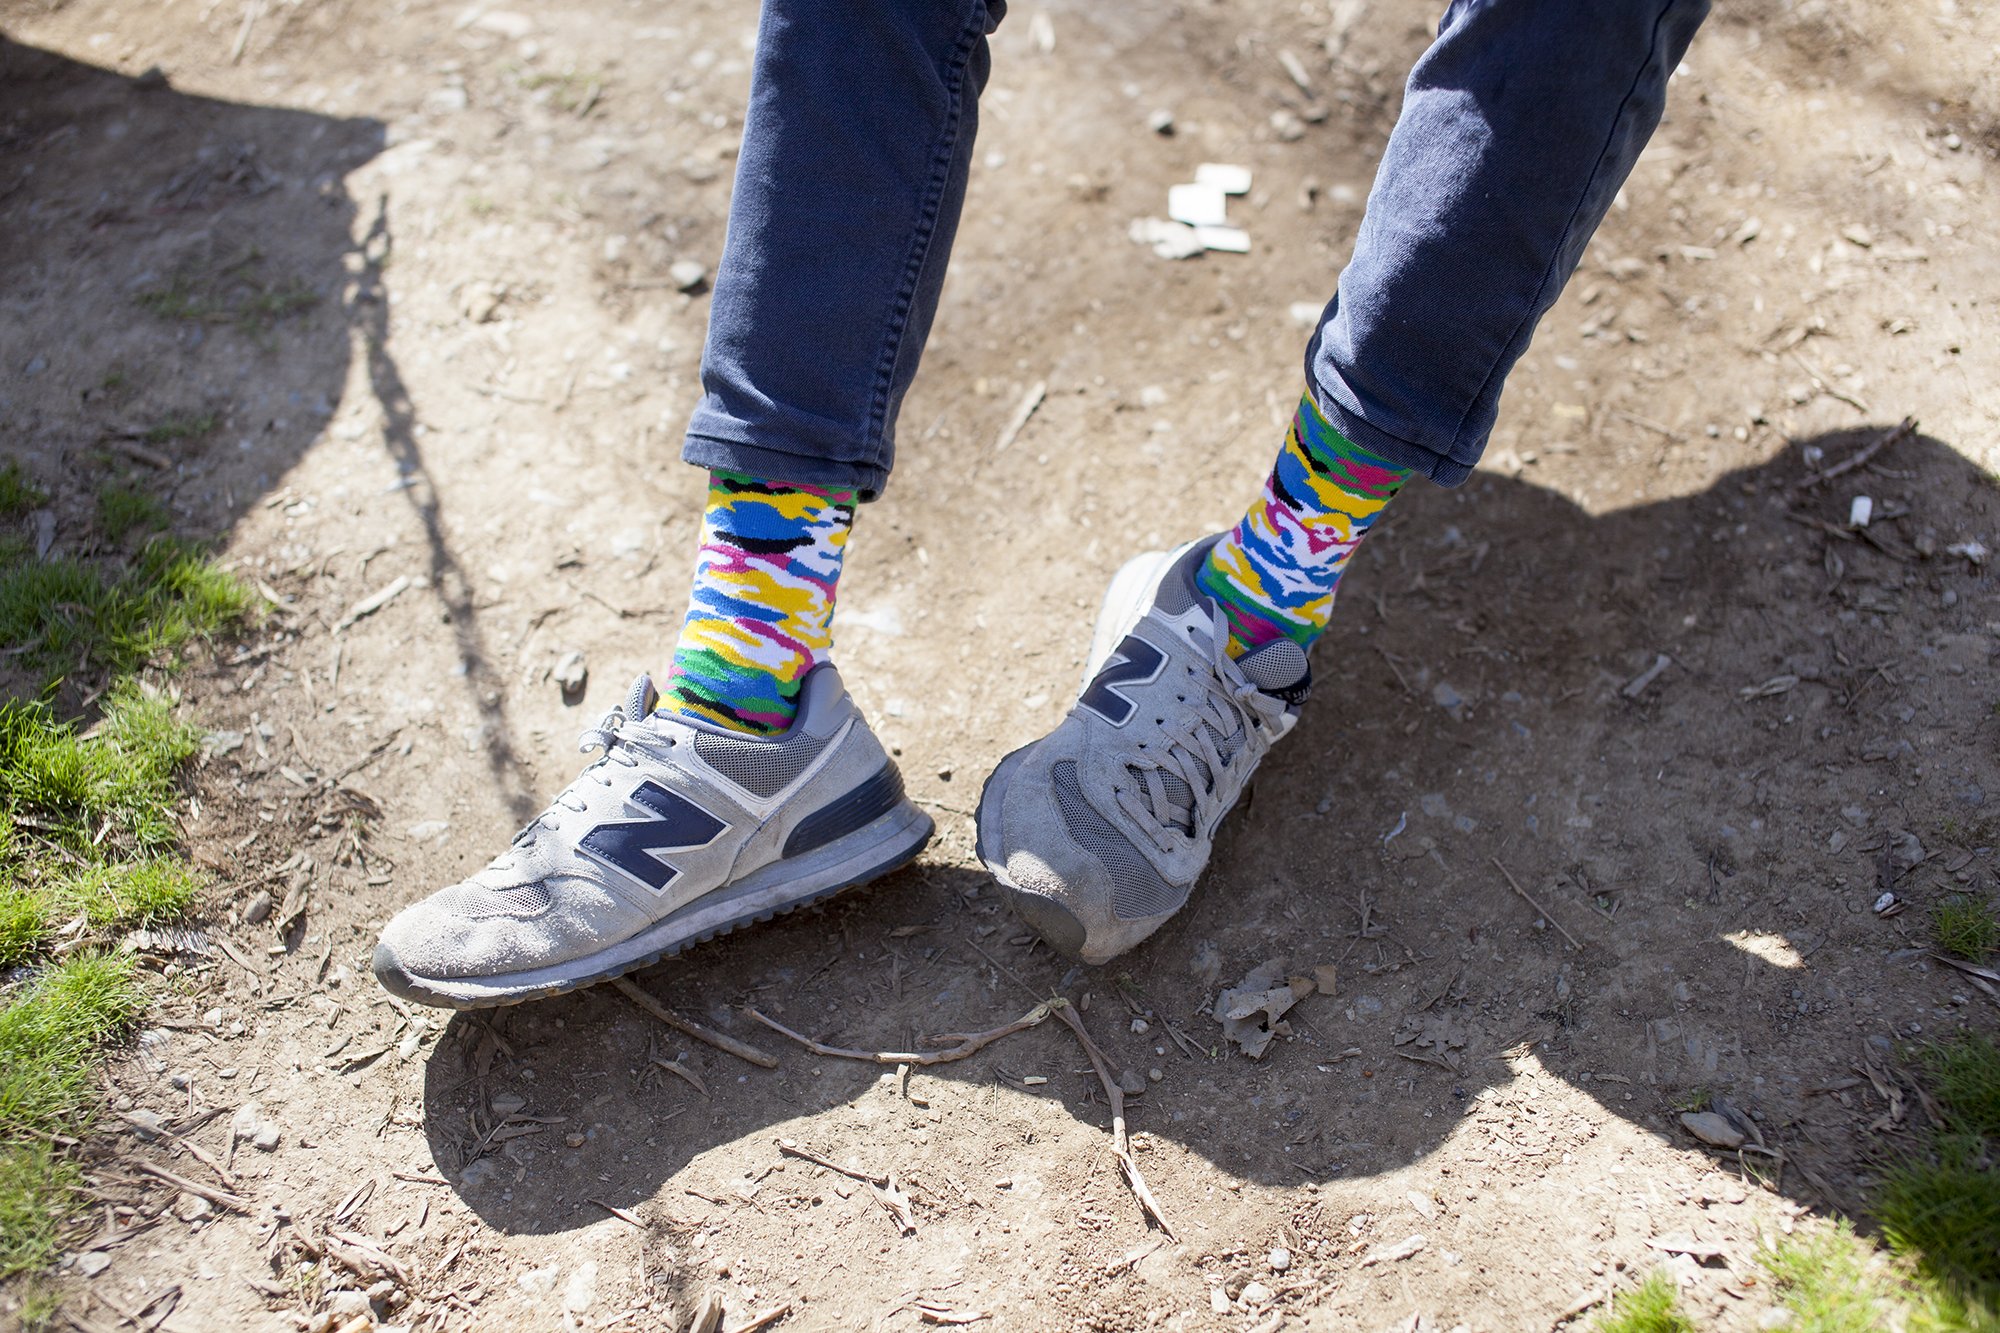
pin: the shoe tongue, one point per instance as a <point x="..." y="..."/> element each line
<point x="1279" y="669"/>
<point x="639" y="704"/>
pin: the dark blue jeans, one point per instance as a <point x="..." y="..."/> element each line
<point x="1518" y="127"/>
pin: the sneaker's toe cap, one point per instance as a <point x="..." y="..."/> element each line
<point x="436" y="941"/>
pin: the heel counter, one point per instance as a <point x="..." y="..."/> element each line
<point x="863" y="805"/>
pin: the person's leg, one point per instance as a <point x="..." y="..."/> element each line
<point x="855" y="152"/>
<point x="856" y="147"/>
<point x="1518" y="127"/>
<point x="848" y="190"/>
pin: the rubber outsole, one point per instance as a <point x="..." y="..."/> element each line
<point x="492" y="994"/>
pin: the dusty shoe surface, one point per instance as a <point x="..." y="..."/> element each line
<point x="1099" y="830"/>
<point x="676" y="833"/>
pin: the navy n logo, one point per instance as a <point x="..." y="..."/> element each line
<point x="1134" y="662"/>
<point x="634" y="845"/>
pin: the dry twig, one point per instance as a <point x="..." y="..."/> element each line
<point x="790" y="1148"/>
<point x="1859" y="458"/>
<point x="235" y="1203"/>
<point x="1546" y="914"/>
<point x="1120" y="1145"/>
<point x="721" y="1041"/>
<point x="967" y="1043"/>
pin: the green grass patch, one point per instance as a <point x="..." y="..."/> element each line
<point x="68" y="613"/>
<point x="182" y="427"/>
<point x="238" y="292"/>
<point x="1943" y="1210"/>
<point x="38" y="900"/>
<point x="1965" y="926"/>
<point x="1939" y="1213"/>
<point x="26" y="921"/>
<point x="31" y="1176"/>
<point x="87" y="828"/>
<point x="122" y="510"/>
<point x="1940" y="1206"/>
<point x="119" y="773"/>
<point x="1965" y="1077"/>
<point x="1651" y="1307"/>
<point x="50" y="1034"/>
<point x="1833" y="1282"/>
<point x="18" y="495"/>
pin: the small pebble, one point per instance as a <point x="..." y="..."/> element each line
<point x="1281" y="1259"/>
<point x="1256" y="1293"/>
<point x="1141" y="1026"/>
<point x="1155" y="1075"/>
<point x="687" y="275"/>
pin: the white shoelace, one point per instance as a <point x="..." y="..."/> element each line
<point x="604" y="736"/>
<point x="1229" y="704"/>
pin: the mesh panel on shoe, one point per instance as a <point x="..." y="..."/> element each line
<point x="763" y="767"/>
<point x="1136" y="888"/>
<point x="1177" y="590"/>
<point x="1277" y="665"/>
<point x="470" y="900"/>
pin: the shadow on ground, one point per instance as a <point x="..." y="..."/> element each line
<point x="1712" y="825"/>
<point x="221" y="283"/>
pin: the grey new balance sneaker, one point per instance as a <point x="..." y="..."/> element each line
<point x="678" y="832"/>
<point x="1099" y="830"/>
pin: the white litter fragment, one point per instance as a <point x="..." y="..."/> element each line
<point x="1306" y="314"/>
<point x="1169" y="240"/>
<point x="1860" y="511"/>
<point x="1232" y="240"/>
<point x="1223" y="176"/>
<point x="1973" y="551"/>
<point x="1198" y="205"/>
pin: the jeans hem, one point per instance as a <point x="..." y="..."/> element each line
<point x="1441" y="468"/>
<point x="773" y="463"/>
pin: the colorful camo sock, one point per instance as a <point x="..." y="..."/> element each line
<point x="761" y="613"/>
<point x="1275" y="572"/>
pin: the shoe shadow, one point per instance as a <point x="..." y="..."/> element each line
<point x="1711" y="835"/>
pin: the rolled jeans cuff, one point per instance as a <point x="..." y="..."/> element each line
<point x="808" y="467"/>
<point x="1440" y="467"/>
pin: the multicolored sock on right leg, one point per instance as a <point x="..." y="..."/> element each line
<point x="1275" y="572"/>
<point x="760" y="615"/>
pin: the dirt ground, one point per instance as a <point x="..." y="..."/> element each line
<point x="414" y="259"/>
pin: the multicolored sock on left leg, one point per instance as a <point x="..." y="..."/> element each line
<point x="1275" y="572"/>
<point x="761" y="612"/>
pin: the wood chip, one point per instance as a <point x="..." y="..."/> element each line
<point x="234" y="1203"/>
<point x="1029" y="402"/>
<point x="375" y="601"/>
